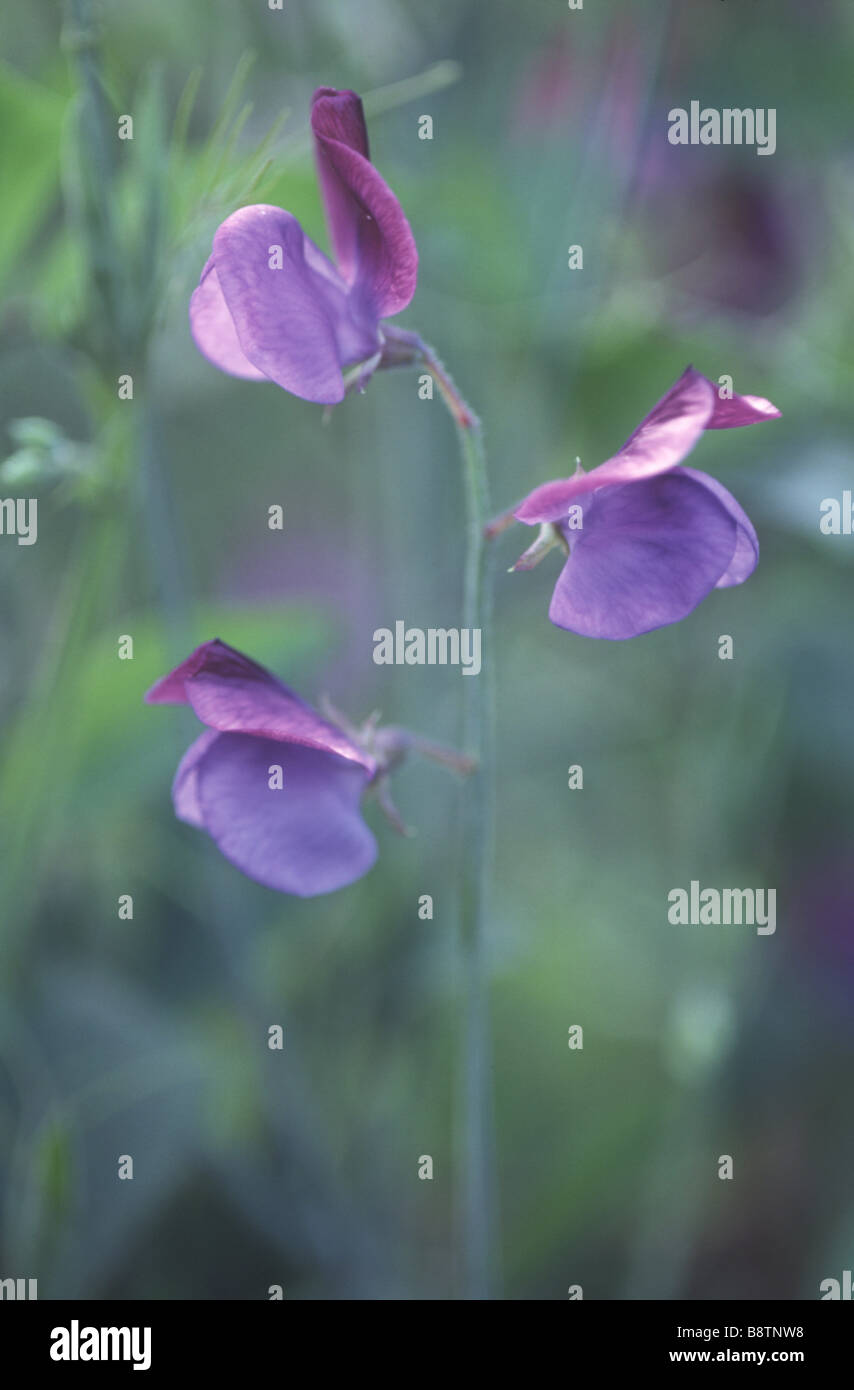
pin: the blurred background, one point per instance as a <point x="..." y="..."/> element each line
<point x="148" y="1037"/>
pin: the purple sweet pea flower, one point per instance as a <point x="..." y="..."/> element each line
<point x="270" y="306"/>
<point x="646" y="539"/>
<point x="306" y="836"/>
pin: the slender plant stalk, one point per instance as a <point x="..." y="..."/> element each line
<point x="478" y="742"/>
<point x="476" y="1195"/>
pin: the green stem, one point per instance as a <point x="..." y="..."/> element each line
<point x="476" y="1195"/>
<point x="478" y="742"/>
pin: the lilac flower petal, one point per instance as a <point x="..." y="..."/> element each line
<point x="550" y="501"/>
<point x="296" y="324"/>
<point x="339" y="116"/>
<point x="185" y="791"/>
<point x="671" y="428"/>
<point x="647" y="555"/>
<point x="213" y="328"/>
<point x="746" y="555"/>
<point x="741" y="410"/>
<point x="373" y="241"/>
<point x="232" y="694"/>
<point x="660" y="442"/>
<point x="305" y="838"/>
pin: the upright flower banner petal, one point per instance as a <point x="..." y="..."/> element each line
<point x="661" y="441"/>
<point x="232" y="694"/>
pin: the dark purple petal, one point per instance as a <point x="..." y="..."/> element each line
<point x="307" y="837"/>
<point x="746" y="555"/>
<point x="296" y="325"/>
<point x="660" y="442"/>
<point x="372" y="239"/>
<point x="232" y="694"/>
<point x="340" y="117"/>
<point x="647" y="555"/>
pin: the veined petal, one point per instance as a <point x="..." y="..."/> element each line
<point x="741" y="410"/>
<point x="296" y="323"/>
<point x="647" y="555"/>
<point x="660" y="442"/>
<point x="213" y="328"/>
<point x="372" y="239"/>
<point x="339" y="117"/>
<point x="308" y="836"/>
<point x="746" y="555"/>
<point x="185" y="791"/>
<point x="548" y="503"/>
<point x="232" y="694"/>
